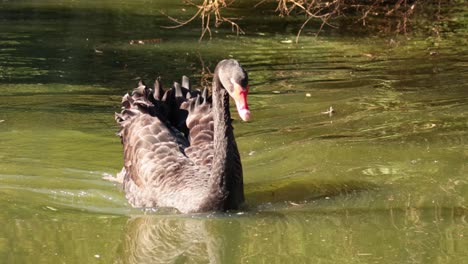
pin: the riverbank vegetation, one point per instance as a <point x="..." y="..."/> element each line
<point x="399" y="17"/>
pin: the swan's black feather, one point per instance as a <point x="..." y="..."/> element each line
<point x="168" y="142"/>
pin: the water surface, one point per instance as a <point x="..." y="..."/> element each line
<point x="382" y="180"/>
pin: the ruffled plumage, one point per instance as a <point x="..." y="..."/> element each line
<point x="169" y="151"/>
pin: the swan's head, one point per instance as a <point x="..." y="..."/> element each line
<point x="236" y="82"/>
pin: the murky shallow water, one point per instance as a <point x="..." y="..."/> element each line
<point x="383" y="180"/>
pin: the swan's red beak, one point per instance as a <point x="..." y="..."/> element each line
<point x="240" y="97"/>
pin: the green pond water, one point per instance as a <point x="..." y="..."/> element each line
<point x="382" y="180"/>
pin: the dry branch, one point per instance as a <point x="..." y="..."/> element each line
<point x="211" y="13"/>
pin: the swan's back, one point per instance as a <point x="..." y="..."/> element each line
<point x="168" y="149"/>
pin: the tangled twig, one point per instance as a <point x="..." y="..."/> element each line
<point x="210" y="13"/>
<point x="207" y="11"/>
<point x="326" y="9"/>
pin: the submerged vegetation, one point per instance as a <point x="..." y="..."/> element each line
<point x="388" y="16"/>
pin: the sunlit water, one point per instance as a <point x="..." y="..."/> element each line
<point x="381" y="180"/>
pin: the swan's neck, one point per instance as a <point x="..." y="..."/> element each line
<point x="222" y="167"/>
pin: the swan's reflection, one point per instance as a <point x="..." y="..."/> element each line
<point x="159" y="239"/>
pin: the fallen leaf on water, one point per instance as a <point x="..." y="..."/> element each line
<point x="145" y="41"/>
<point x="51" y="208"/>
<point x="330" y="111"/>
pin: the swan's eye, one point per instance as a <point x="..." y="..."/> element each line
<point x="244" y="91"/>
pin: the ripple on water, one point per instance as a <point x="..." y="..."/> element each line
<point x="388" y="166"/>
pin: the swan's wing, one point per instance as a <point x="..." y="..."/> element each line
<point x="157" y="170"/>
<point x="159" y="174"/>
<point x="145" y="129"/>
<point x="151" y="151"/>
<point x="190" y="114"/>
<point x="201" y="129"/>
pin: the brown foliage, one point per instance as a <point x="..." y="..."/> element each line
<point x="210" y="12"/>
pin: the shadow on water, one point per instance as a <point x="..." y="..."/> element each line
<point x="57" y="44"/>
<point x="295" y="191"/>
<point x="69" y="43"/>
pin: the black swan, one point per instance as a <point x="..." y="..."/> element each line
<point x="179" y="148"/>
